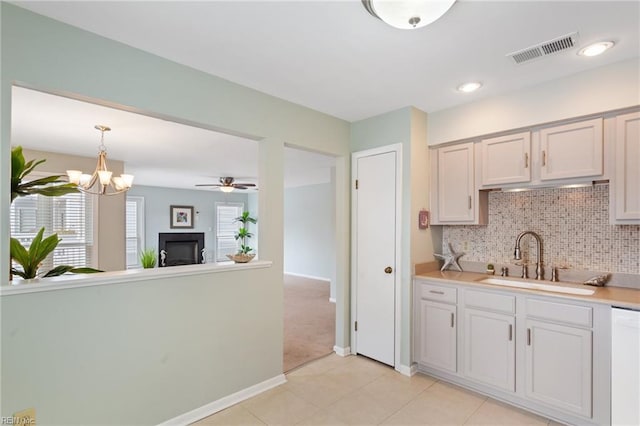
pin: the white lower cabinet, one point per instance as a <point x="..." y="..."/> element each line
<point x="489" y="348"/>
<point x="438" y="326"/>
<point x="558" y="366"/>
<point x="545" y="353"/>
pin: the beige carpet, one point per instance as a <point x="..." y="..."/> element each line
<point x="309" y="321"/>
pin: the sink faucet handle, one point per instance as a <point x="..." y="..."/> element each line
<point x="525" y="271"/>
<point x="554" y="274"/>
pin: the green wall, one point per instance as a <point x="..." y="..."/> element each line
<point x="243" y="310"/>
<point x="402" y="126"/>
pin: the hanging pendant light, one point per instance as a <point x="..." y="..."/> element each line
<point x="101" y="181"/>
<point x="408" y="14"/>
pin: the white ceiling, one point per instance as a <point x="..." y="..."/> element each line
<point x="331" y="56"/>
<point x="158" y="152"/>
<point x="335" y="57"/>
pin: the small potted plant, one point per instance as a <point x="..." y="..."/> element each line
<point x="244" y="254"/>
<point x="490" y="269"/>
<point x="148" y="258"/>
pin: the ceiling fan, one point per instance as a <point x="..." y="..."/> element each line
<point x="228" y="184"/>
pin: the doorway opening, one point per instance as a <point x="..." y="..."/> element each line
<point x="309" y="257"/>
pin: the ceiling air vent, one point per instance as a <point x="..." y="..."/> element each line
<point x="546" y="48"/>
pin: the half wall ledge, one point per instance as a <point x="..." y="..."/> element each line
<point x="130" y="275"/>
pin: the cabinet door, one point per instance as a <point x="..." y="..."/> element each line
<point x="627" y="167"/>
<point x="489" y="348"/>
<point x="456" y="183"/>
<point x="572" y="150"/>
<point x="437" y="335"/>
<point x="506" y="159"/>
<point x="558" y="366"/>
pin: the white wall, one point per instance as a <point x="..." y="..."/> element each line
<point x="309" y="231"/>
<point x="602" y="89"/>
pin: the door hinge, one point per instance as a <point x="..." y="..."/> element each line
<point x="356" y="326"/>
<point x="356" y="183"/>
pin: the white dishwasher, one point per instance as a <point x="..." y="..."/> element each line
<point x="625" y="367"/>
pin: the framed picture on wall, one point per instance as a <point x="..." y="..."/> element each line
<point x="181" y="216"/>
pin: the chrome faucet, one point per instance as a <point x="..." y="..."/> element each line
<point x="517" y="256"/>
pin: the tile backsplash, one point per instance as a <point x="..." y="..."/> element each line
<point x="572" y="222"/>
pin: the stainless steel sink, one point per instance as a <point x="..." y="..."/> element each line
<point x="556" y="288"/>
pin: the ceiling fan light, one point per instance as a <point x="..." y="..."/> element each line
<point x="226" y="188"/>
<point x="408" y="14"/>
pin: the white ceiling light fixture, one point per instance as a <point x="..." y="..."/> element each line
<point x="596" y="49"/>
<point x="469" y="87"/>
<point x="226" y="189"/>
<point x="408" y="14"/>
<point x="101" y="181"/>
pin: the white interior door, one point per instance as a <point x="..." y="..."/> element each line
<point x="375" y="252"/>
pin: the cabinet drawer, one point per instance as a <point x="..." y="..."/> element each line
<point x="560" y="312"/>
<point x="490" y="301"/>
<point x="438" y="293"/>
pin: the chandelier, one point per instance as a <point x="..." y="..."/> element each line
<point x="101" y="181"/>
<point x="407" y="14"/>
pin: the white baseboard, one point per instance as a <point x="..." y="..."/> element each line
<point x="308" y="276"/>
<point x="226" y="402"/>
<point x="342" y="351"/>
<point x="332" y="300"/>
<point x="406" y="370"/>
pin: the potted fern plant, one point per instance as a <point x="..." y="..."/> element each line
<point x="244" y="254"/>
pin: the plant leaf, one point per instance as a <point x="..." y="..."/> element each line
<point x="17" y="161"/>
<point x="63" y="269"/>
<point x="18" y="252"/>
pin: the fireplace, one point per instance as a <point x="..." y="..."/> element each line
<point x="184" y="248"/>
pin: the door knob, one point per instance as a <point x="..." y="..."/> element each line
<point x="388" y="270"/>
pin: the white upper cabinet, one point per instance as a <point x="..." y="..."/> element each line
<point x="572" y="150"/>
<point x="506" y="159"/>
<point x="625" y="188"/>
<point x="454" y="196"/>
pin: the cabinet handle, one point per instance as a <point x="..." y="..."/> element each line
<point x="528" y="337"/>
<point x="436" y="292"/>
<point x="469" y="202"/>
<point x="510" y="332"/>
<point x="544" y="158"/>
<point x="452" y="323"/>
<point x="526" y="160"/>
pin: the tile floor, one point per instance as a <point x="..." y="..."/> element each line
<point x="358" y="391"/>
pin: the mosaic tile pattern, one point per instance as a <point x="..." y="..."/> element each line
<point x="573" y="223"/>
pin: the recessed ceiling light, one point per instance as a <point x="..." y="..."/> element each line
<point x="469" y="87"/>
<point x="595" y="49"/>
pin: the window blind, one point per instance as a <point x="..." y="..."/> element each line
<point x="226" y="229"/>
<point x="134" y="242"/>
<point x="70" y="216"/>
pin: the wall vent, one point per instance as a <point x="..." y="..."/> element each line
<point x="544" y="49"/>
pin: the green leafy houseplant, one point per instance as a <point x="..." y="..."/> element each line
<point x="51" y="186"/>
<point x="244" y="252"/>
<point x="148" y="258"/>
<point x="30" y="259"/>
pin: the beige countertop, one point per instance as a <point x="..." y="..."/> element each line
<point x="614" y="296"/>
